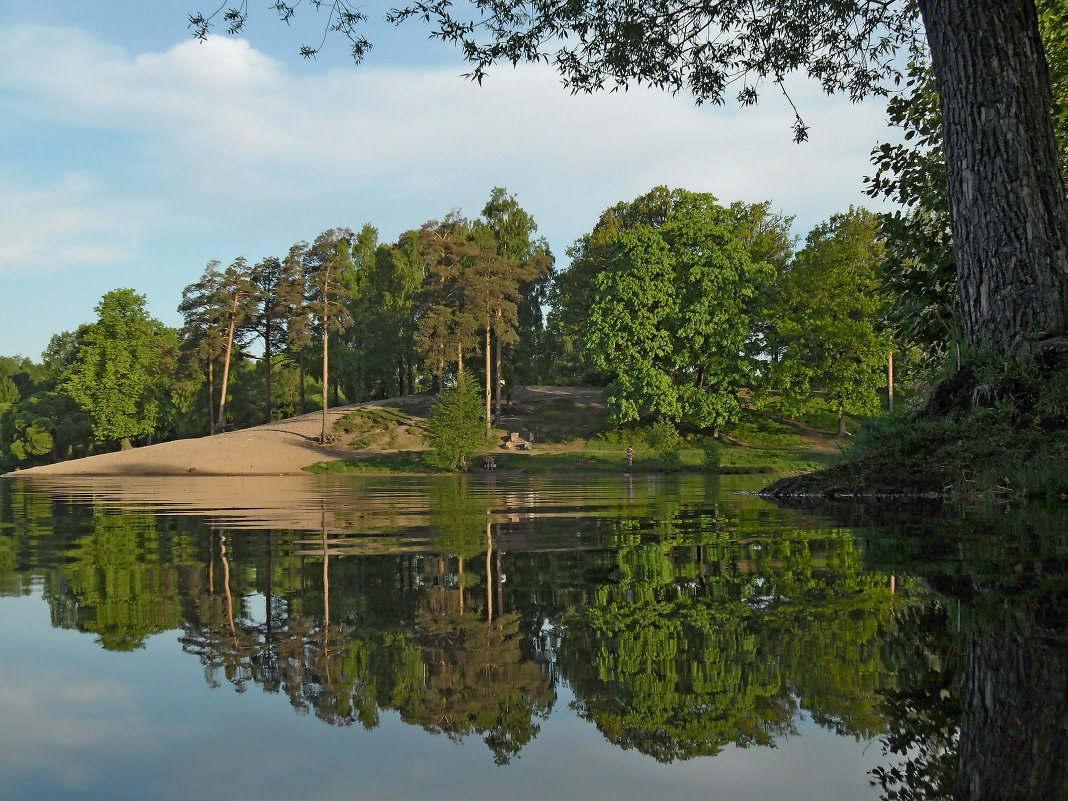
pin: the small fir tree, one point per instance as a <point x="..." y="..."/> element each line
<point x="454" y="430"/>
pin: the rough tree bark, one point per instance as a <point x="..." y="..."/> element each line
<point x="1006" y="194"/>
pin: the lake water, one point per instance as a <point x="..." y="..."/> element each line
<point x="523" y="638"/>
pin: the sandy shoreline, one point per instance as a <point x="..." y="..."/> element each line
<point x="282" y="447"/>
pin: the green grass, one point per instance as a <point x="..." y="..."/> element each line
<point x="818" y="416"/>
<point x="762" y="431"/>
<point x="734" y="460"/>
<point x="759" y="460"/>
<point x="775" y="447"/>
<point x="388" y="462"/>
<point x="992" y="428"/>
<point x="561" y="421"/>
<point x="370" y="418"/>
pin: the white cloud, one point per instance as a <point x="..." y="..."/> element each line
<point x="65" y="223"/>
<point x="234" y="144"/>
<point x="46" y="714"/>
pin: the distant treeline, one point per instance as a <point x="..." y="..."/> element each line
<point x="682" y="307"/>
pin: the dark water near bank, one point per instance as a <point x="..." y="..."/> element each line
<point x="341" y="638"/>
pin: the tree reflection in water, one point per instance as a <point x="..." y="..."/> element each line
<point x="680" y="627"/>
<point x="704" y="639"/>
<point x="980" y="710"/>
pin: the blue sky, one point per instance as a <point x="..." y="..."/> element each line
<point x="131" y="155"/>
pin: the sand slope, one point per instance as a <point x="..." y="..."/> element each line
<point x="278" y="448"/>
<point x="285" y="446"/>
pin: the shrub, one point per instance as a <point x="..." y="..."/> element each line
<point x="665" y="442"/>
<point x="455" y="430"/>
<point x="710" y="460"/>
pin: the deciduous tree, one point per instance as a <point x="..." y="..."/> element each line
<point x="120" y="367"/>
<point x="671" y="318"/>
<point x="828" y="335"/>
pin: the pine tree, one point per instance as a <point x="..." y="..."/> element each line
<point x="202" y="309"/>
<point x="292" y="296"/>
<point x="325" y="265"/>
<point x="268" y="321"/>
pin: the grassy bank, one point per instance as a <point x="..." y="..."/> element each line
<point x="562" y="430"/>
<point x="989" y="428"/>
<point x="734" y="460"/>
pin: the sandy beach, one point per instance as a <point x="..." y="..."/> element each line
<point x="279" y="448"/>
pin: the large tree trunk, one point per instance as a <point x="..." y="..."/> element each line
<point x="1006" y="192"/>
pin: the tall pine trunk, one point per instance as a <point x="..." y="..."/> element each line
<point x="326" y="353"/>
<point x="226" y="363"/>
<point x="497" y="383"/>
<point x="300" y="363"/>
<point x="267" y="374"/>
<point x="489" y="379"/>
<point x="1006" y="193"/>
<point x="211" y="395"/>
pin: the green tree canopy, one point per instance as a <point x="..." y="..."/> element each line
<point x="671" y="317"/>
<point x="121" y="368"/>
<point x="454" y="430"/>
<point x="1011" y="238"/>
<point x="828" y="335"/>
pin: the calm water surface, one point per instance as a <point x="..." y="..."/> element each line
<point x="616" y="638"/>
